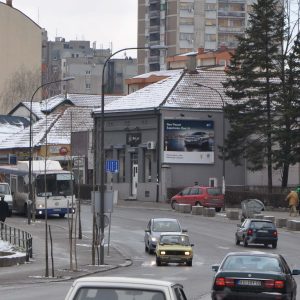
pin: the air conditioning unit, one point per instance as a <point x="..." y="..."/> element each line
<point x="151" y="145"/>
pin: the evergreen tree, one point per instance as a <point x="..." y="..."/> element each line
<point x="254" y="86"/>
<point x="287" y="132"/>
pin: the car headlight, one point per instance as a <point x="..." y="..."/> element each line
<point x="162" y="252"/>
<point x="153" y="239"/>
<point x="187" y="253"/>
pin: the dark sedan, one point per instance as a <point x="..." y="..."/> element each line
<point x="254" y="275"/>
<point x="257" y="231"/>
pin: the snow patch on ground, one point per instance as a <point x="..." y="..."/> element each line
<point x="7" y="247"/>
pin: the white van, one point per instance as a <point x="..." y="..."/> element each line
<point x="6" y="192"/>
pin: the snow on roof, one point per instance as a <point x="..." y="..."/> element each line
<point x="147" y="98"/>
<point x="166" y="73"/>
<point x="188" y="95"/>
<point x="10" y="125"/>
<point x="57" y="125"/>
<point x="176" y="92"/>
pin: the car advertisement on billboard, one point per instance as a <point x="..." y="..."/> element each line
<point x="189" y="141"/>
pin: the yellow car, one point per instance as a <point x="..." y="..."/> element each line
<point x="174" y="248"/>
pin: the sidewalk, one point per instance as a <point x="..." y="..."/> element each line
<point x="34" y="271"/>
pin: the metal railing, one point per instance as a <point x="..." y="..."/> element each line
<point x="17" y="237"/>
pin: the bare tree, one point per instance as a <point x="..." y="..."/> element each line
<point x="19" y="87"/>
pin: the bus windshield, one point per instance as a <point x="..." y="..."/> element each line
<point x="57" y="185"/>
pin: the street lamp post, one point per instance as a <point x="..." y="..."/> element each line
<point x="102" y="187"/>
<point x="223" y="133"/>
<point x="30" y="146"/>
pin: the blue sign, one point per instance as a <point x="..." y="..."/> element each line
<point x="112" y="166"/>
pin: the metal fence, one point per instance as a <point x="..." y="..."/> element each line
<point x="17" y="237"/>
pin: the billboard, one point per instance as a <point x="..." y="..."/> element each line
<point x="189" y="141"/>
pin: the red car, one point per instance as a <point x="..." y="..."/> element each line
<point x="200" y="195"/>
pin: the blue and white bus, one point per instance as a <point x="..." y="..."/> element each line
<point x="57" y="196"/>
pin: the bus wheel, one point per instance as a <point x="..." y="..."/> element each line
<point x="61" y="215"/>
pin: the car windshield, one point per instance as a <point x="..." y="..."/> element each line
<point x="249" y="263"/>
<point x="94" y="293"/>
<point x="166" y="226"/>
<point x="175" y="239"/>
<point x="262" y="225"/>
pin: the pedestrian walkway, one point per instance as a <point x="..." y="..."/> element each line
<point x="35" y="270"/>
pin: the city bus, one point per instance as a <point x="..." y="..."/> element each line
<point x="57" y="196"/>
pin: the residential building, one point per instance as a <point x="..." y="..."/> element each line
<point x="20" y="54"/>
<point x="55" y="120"/>
<point x="78" y="59"/>
<point x="186" y="25"/>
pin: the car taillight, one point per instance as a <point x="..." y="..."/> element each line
<point x="277" y="284"/>
<point x="249" y="232"/>
<point x="275" y="233"/>
<point x="221" y="281"/>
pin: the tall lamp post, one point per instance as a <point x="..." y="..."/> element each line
<point x="102" y="186"/>
<point x="223" y="133"/>
<point x="30" y="145"/>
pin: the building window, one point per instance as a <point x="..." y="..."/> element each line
<point x="210" y="37"/>
<point x="87" y="85"/>
<point x="88" y="72"/>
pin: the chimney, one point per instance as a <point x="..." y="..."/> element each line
<point x="200" y="50"/>
<point x="9" y="3"/>
<point x="192" y="64"/>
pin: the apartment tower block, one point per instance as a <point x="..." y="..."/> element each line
<point x="186" y="25"/>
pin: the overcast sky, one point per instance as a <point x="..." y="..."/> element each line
<point x="103" y="21"/>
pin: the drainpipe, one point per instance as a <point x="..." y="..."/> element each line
<point x="158" y="153"/>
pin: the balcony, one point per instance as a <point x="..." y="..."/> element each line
<point x="224" y="29"/>
<point x="153" y="59"/>
<point x="154" y="14"/>
<point x="154" y="29"/>
<point x="231" y="14"/>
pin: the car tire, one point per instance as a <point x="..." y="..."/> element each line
<point x="158" y="262"/>
<point x="173" y="204"/>
<point x="237" y="241"/>
<point x="218" y="209"/>
<point x="189" y="263"/>
<point x="245" y="243"/>
<point x="274" y="245"/>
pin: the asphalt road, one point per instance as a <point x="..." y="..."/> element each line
<point x="213" y="238"/>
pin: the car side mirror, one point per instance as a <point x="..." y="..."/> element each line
<point x="215" y="267"/>
<point x="180" y="194"/>
<point x="147" y="230"/>
<point x="184" y="230"/>
<point x="296" y="272"/>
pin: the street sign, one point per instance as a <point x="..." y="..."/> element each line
<point x="112" y="166"/>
